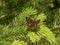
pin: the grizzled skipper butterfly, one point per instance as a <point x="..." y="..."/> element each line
<point x="32" y="24"/>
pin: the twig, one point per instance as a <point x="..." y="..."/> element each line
<point x="55" y="27"/>
<point x="56" y="20"/>
<point x="55" y="24"/>
<point x="2" y="16"/>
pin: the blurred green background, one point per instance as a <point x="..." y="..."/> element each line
<point x="13" y="25"/>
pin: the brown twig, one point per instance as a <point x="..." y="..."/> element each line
<point x="55" y="24"/>
<point x="55" y="27"/>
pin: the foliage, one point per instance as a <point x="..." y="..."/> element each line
<point x="18" y="43"/>
<point x="31" y="35"/>
<point x="13" y="25"/>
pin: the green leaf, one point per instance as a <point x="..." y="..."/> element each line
<point x="17" y="42"/>
<point x="41" y="17"/>
<point x="33" y="37"/>
<point x="44" y="31"/>
<point x="26" y="12"/>
<point x="58" y="39"/>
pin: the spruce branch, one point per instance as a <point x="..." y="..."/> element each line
<point x="11" y="35"/>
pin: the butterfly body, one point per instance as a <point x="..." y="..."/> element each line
<point x="32" y="24"/>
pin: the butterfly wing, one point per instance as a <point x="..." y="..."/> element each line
<point x="36" y="22"/>
<point x="29" y="22"/>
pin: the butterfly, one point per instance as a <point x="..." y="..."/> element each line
<point x="32" y="24"/>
